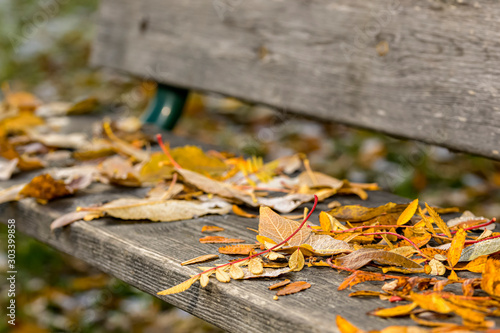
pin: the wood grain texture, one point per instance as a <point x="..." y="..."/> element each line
<point x="425" y="70"/>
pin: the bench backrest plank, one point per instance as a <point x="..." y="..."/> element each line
<point x="425" y="70"/>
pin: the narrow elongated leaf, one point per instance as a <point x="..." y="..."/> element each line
<point x="279" y="284"/>
<point x="293" y="288"/>
<point x="199" y="259"/>
<point x="457" y="245"/>
<point x="180" y="287"/>
<point x="408" y="213"/>
<point x="397" y="311"/>
<point x="438" y="220"/>
<point x="363" y="256"/>
<point x="219" y="240"/>
<point x="482" y="248"/>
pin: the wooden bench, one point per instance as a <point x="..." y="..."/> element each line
<point x="418" y="70"/>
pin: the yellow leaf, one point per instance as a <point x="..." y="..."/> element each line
<point x="199" y="259"/>
<point x="204" y="279"/>
<point x="236" y="272"/>
<point x="180" y="287"/>
<point x="401" y="310"/>
<point x="408" y="213"/>
<point x="491" y="278"/>
<point x="221" y="275"/>
<point x="255" y="266"/>
<point x="428" y="223"/>
<point x="325" y="221"/>
<point x="346" y="327"/>
<point x="438" y="220"/>
<point x="296" y="261"/>
<point x="456" y="247"/>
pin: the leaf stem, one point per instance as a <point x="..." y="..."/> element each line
<point x="167" y="152"/>
<point x="272" y="248"/>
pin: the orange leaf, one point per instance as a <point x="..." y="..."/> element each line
<point x="279" y="284"/>
<point x="491" y="276"/>
<point x="346" y="327"/>
<point x="397" y="311"/>
<point x="211" y="228"/>
<point x="240" y="212"/>
<point x="199" y="259"/>
<point x="219" y="239"/>
<point x="293" y="288"/>
<point x="242" y="249"/>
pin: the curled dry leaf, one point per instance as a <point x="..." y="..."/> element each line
<point x="267" y="273"/>
<point x="436" y="267"/>
<point x="219" y="240"/>
<point x="236" y="272"/>
<point x="199" y="259"/>
<point x="211" y="228"/>
<point x="293" y="288"/>
<point x="68" y="219"/>
<point x="279" y="284"/>
<point x="240" y="249"/>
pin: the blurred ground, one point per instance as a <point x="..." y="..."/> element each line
<point x="44" y="48"/>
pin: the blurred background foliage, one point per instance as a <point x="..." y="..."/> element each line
<point x="44" y="49"/>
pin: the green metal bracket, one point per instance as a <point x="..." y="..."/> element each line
<point x="166" y="107"/>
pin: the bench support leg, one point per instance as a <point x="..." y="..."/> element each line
<point x="166" y="107"/>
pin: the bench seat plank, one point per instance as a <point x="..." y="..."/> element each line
<point x="148" y="255"/>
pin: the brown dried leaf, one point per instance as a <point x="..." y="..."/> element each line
<point x="293" y="288"/>
<point x="45" y="188"/>
<point x="278" y="228"/>
<point x="211" y="228"/>
<point x="199" y="259"/>
<point x="363" y="256"/>
<point x="219" y="240"/>
<point x="268" y="273"/>
<point x="356" y="213"/>
<point x="279" y="284"/>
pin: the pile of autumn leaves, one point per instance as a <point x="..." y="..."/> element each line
<point x="187" y="182"/>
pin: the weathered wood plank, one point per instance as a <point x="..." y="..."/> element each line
<point x="425" y="70"/>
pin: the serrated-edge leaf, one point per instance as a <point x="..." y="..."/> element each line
<point x="408" y="213"/>
<point x="438" y="220"/>
<point x="180" y="287"/>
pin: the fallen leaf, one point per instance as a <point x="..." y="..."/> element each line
<point x="293" y="288"/>
<point x="279" y="284"/>
<point x="408" y="213"/>
<point x="236" y="272"/>
<point x="397" y="311"/>
<point x="199" y="259"/>
<point x="436" y="267"/>
<point x="219" y="240"/>
<point x="7" y="168"/>
<point x="267" y="273"/>
<point x="277" y="228"/>
<point x="159" y="211"/>
<point x="240" y="249"/>
<point x="491" y="276"/>
<point x="346" y="327"/>
<point x="255" y="266"/>
<point x="211" y="228"/>
<point x="45" y="188"/>
<point x="438" y="220"/>
<point x="68" y="219"/>
<point x="363" y="256"/>
<point x="180" y="287"/>
<point x="240" y="212"/>
<point x="482" y="248"/>
<point x="356" y="213"/>
<point x="457" y="245"/>
<point x="296" y="261"/>
<point x="222" y="275"/>
<point x="318" y="179"/>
